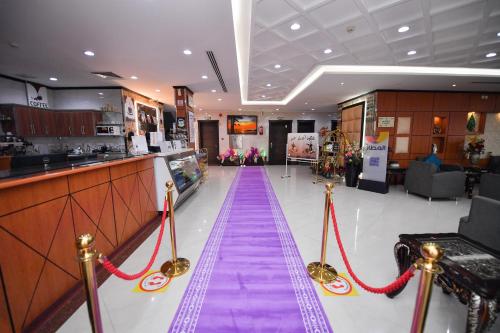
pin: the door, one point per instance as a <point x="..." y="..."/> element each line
<point x="305" y="126"/>
<point x="278" y="132"/>
<point x="64" y="121"/>
<point x="334" y="124"/>
<point x="209" y="138"/>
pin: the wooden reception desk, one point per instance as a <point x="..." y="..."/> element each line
<point x="40" y="217"/>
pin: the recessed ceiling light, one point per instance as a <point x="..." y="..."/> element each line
<point x="133" y="77"/>
<point x="404" y="28"/>
<point x="454" y="85"/>
<point x="341" y="83"/>
<point x="263" y="96"/>
<point x="204" y="77"/>
<point x="295" y="26"/>
<point x="491" y="54"/>
<point x="100" y="93"/>
<point x="498" y="34"/>
<point x="213" y="90"/>
<point x="327" y="51"/>
<point x="201" y="109"/>
<point x="412" y="52"/>
<point x="313" y="109"/>
<point x="53" y="78"/>
<point x="268" y="85"/>
<point x="277" y="109"/>
<point x="239" y="109"/>
<point x="305" y="103"/>
<point x="272" y="112"/>
<point x="303" y="113"/>
<point x="157" y="90"/>
<point x="187" y="52"/>
<point x="89" y="53"/>
<point x="277" y="66"/>
<point x="219" y="99"/>
<point x="102" y="76"/>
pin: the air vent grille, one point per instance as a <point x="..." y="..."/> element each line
<point x="107" y="75"/>
<point x="486" y="82"/>
<point x="215" y="66"/>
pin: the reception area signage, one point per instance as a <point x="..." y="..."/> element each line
<point x="304" y="146"/>
<point x="375" y="163"/>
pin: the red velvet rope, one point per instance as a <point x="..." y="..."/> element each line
<point x="397" y="284"/>
<point x="114" y="270"/>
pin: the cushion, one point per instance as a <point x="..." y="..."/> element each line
<point x="433" y="159"/>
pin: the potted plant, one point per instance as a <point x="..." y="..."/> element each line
<point x="229" y="157"/>
<point x="474" y="149"/>
<point x="352" y="164"/>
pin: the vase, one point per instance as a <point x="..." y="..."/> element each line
<point x="474" y="158"/>
<point x="351" y="175"/>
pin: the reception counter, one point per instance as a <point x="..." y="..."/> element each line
<point x="40" y="217"/>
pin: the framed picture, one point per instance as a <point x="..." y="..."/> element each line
<point x="237" y="124"/>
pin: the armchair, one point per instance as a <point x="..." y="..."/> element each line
<point x="490" y="186"/>
<point x="422" y="178"/>
<point x="483" y="222"/>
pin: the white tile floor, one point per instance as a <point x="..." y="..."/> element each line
<point x="369" y="224"/>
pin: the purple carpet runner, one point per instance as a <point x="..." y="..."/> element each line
<point x="250" y="276"/>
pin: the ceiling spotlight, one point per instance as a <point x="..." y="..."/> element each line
<point x="157" y="90"/>
<point x="263" y="96"/>
<point x="204" y="77"/>
<point x="201" y="109"/>
<point x="305" y="103"/>
<point x="219" y="99"/>
<point x="277" y="109"/>
<point x="239" y="109"/>
<point x="213" y="90"/>
<point x="277" y="66"/>
<point x="313" y="109"/>
<point x="268" y="85"/>
<point x="53" y="78"/>
<point x="303" y="113"/>
<point x="187" y="52"/>
<point x="295" y="26"/>
<point x="89" y="53"/>
<point x="133" y="77"/>
<point x="100" y="93"/>
<point x="498" y="34"/>
<point x="404" y="28"/>
<point x="454" y="85"/>
<point x="412" y="52"/>
<point x="491" y="54"/>
<point x="327" y="51"/>
<point x="341" y="83"/>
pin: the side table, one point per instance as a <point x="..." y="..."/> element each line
<point x="472" y="177"/>
<point x="471" y="273"/>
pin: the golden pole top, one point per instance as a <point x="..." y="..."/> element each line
<point x="431" y="251"/>
<point x="84" y="241"/>
<point x="329" y="187"/>
<point x="170" y="185"/>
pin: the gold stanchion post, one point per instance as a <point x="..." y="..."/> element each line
<point x="321" y="271"/>
<point x="429" y="266"/>
<point x="176" y="266"/>
<point x="87" y="256"/>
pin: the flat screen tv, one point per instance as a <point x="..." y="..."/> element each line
<point x="237" y="124"/>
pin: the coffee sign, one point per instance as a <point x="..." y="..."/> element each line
<point x="37" y="95"/>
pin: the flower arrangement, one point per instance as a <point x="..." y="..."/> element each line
<point x="475" y="146"/>
<point x="352" y="154"/>
<point x="230" y="154"/>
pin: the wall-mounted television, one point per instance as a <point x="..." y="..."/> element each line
<point x="238" y="124"/>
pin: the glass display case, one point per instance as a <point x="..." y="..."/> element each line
<point x="184" y="170"/>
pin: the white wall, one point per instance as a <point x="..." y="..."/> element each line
<point x="12" y="92"/>
<point x="68" y="99"/>
<point x="322" y="119"/>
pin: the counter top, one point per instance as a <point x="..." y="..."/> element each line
<point x="16" y="177"/>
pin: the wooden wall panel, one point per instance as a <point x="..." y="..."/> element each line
<point x="415" y="101"/>
<point x="5" y="325"/>
<point x="454" y="147"/>
<point x="420" y="145"/>
<point x="122" y="170"/>
<point x="386" y="101"/>
<point x="144" y="164"/>
<point x="482" y="102"/>
<point x="457" y="123"/>
<point x="451" y="101"/>
<point x="497" y="103"/>
<point x="422" y="123"/>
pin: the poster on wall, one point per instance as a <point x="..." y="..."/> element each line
<point x="375" y="157"/>
<point x="37" y="95"/>
<point x="191" y="126"/>
<point x="237" y="124"/>
<point x="303" y="146"/>
<point x="129" y="108"/>
<point x="147" y="117"/>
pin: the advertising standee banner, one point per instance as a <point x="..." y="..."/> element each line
<point x="375" y="157"/>
<point x="303" y="146"/>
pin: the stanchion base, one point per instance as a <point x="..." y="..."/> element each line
<point x="175" y="268"/>
<point x="285" y="176"/>
<point x="321" y="273"/>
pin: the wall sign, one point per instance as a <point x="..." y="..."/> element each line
<point x="375" y="157"/>
<point x="386" y="121"/>
<point x="37" y="95"/>
<point x="191" y="127"/>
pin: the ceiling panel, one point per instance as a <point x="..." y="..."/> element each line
<point x="268" y="12"/>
